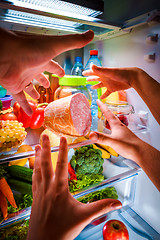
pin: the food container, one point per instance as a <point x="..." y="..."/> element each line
<point x="3" y="92"/>
<point x="121" y="109"/>
<point x="6" y="102"/>
<point x="70" y="85"/>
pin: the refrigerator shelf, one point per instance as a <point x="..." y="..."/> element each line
<point x="122" y="177"/>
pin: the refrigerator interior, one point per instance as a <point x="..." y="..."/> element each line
<point x="130" y="50"/>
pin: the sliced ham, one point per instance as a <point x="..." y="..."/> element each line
<point x="69" y="116"/>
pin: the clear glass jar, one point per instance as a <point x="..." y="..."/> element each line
<point x="121" y="109"/>
<point x="70" y="85"/>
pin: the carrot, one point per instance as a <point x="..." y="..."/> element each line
<point x="6" y="190"/>
<point x="3" y="205"/>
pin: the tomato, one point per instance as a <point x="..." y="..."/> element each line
<point x="9" y="116"/>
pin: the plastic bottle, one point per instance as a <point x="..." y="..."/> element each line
<point x="94" y="108"/>
<point x="78" y="67"/>
<point x="67" y="65"/>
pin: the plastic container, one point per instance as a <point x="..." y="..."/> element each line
<point x="3" y="92"/>
<point x="78" y="67"/>
<point x="6" y="102"/>
<point x="122" y="110"/>
<point x="95" y="93"/>
<point x="70" y="85"/>
<point x="67" y="65"/>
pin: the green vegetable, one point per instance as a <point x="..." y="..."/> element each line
<point x="20" y="172"/>
<point x="98" y="195"/>
<point x="0" y="105"/>
<point x="15" y="232"/>
<point x="85" y="181"/>
<point x="3" y="171"/>
<point x="20" y="186"/>
<point x="87" y="160"/>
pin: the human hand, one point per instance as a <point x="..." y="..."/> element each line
<point x="121" y="139"/>
<point x="55" y="213"/>
<point x="24" y="58"/>
<point x="114" y="79"/>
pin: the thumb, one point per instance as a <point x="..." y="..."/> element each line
<point x="98" y="208"/>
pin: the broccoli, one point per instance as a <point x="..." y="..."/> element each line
<point x="3" y="172"/>
<point x="87" y="160"/>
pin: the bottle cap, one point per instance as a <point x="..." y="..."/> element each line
<point x="94" y="52"/>
<point x="71" y="80"/>
<point x="78" y="59"/>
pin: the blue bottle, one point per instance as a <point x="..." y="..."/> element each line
<point x="78" y="67"/>
<point x="94" y="107"/>
<point x="67" y="65"/>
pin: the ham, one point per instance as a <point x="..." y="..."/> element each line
<point x="69" y="116"/>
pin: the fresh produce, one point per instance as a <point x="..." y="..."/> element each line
<point x="115" y="229"/>
<point x="84" y="180"/>
<point x="69" y="116"/>
<point x="71" y="173"/>
<point x="20" y="186"/>
<point x="8" y="116"/>
<point x="107" y="148"/>
<point x="109" y="192"/>
<point x="105" y="154"/>
<point x="12" y="134"/>
<point x="15" y="232"/>
<point x="6" y="194"/>
<point x="36" y="120"/>
<point x="19" y="172"/>
<point x="21" y="149"/>
<point x="3" y="205"/>
<point x="87" y="160"/>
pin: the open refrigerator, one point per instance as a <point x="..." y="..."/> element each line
<point x="126" y="36"/>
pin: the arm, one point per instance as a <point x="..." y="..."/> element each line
<point x="129" y="145"/>
<point x="55" y="213"/>
<point x="24" y="58"/>
<point x="115" y="79"/>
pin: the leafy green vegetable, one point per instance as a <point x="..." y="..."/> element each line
<point x="15" y="232"/>
<point x="3" y="171"/>
<point x="0" y="105"/>
<point x="109" y="192"/>
<point x="87" y="160"/>
<point x="85" y="181"/>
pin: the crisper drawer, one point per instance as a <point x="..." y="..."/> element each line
<point x="120" y="177"/>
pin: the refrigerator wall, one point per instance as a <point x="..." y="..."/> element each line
<point x="130" y="50"/>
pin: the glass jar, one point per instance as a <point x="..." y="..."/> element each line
<point x="70" y="85"/>
<point x="121" y="109"/>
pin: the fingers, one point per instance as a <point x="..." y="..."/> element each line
<point x="41" y="78"/>
<point x="96" y="86"/>
<point x="55" y="68"/>
<point x="106" y="94"/>
<point x="62" y="163"/>
<point x="68" y="42"/>
<point x="98" y="208"/>
<point x="30" y="90"/>
<point x="21" y="99"/>
<point x="36" y="177"/>
<point x="111" y="118"/>
<point x="89" y="72"/>
<point x="46" y="164"/>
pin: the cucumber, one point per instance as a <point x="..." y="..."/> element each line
<point x="20" y="172"/>
<point x="20" y="186"/>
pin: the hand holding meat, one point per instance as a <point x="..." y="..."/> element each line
<point x="55" y="213"/>
<point x="24" y="58"/>
<point x="128" y="145"/>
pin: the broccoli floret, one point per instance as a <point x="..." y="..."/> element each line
<point x="3" y="172"/>
<point x="87" y="160"/>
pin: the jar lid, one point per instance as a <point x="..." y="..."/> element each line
<point x="71" y="80"/>
<point x="120" y="108"/>
<point x="6" y="98"/>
